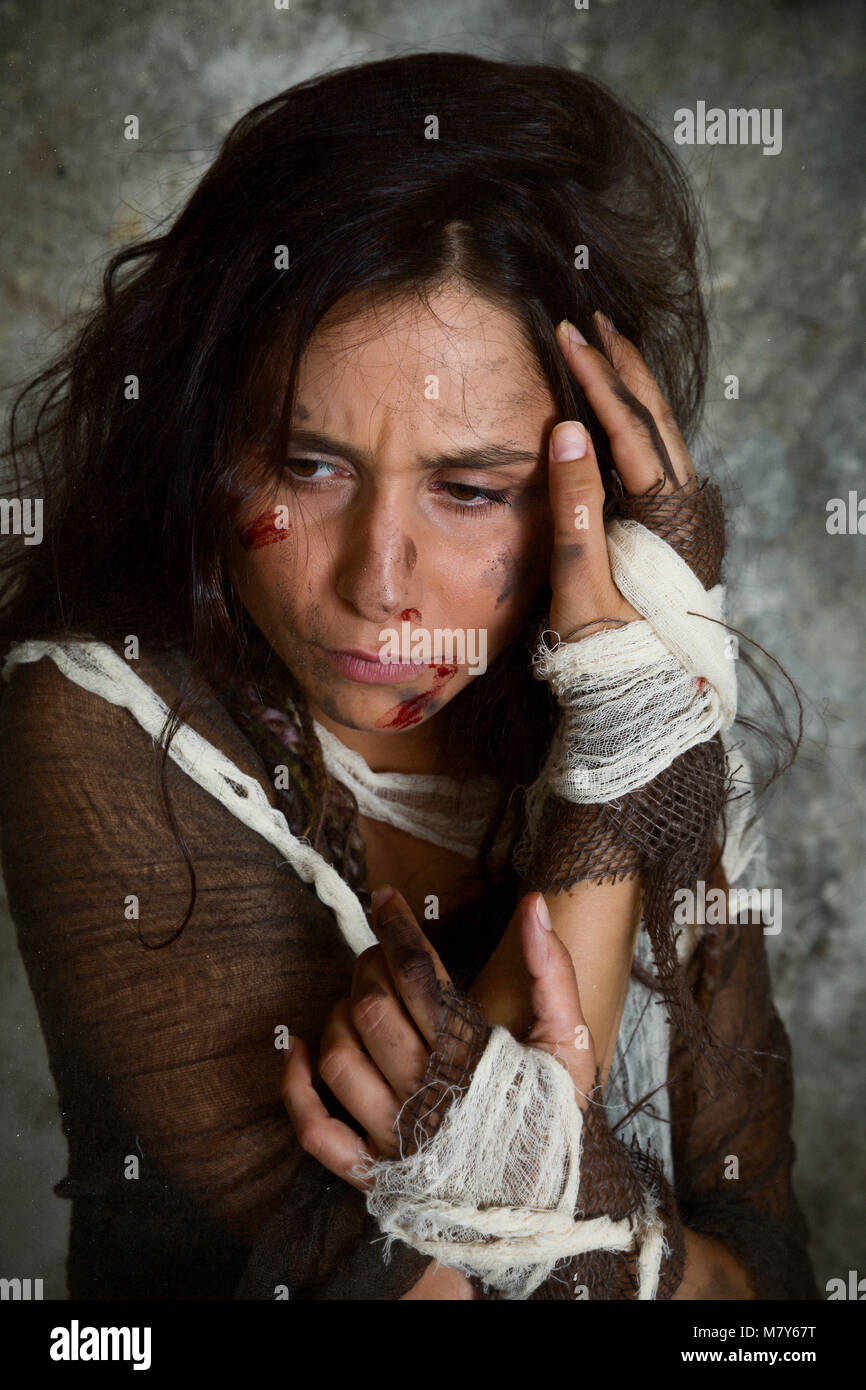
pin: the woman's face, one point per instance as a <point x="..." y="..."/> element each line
<point x="410" y="534"/>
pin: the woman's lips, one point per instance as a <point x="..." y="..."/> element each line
<point x="369" y="670"/>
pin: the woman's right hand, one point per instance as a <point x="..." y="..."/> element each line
<point x="375" y="1046"/>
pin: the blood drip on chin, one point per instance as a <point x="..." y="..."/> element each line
<point x="411" y="711"/>
<point x="262" y="531"/>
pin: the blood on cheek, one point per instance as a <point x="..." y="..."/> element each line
<point x="266" y="529"/>
<point x="411" y="711"/>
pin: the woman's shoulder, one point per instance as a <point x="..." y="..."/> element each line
<point x="59" y="721"/>
<point x="46" y="716"/>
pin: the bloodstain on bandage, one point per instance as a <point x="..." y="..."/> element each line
<point x="411" y="711"/>
<point x="264" y="530"/>
<point x="410" y="615"/>
<point x="702" y="683"/>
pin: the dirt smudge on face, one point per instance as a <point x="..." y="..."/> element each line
<point x="511" y="575"/>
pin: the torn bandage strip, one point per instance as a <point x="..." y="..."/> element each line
<point x="496" y="1191"/>
<point x="686" y="617"/>
<point x="636" y="697"/>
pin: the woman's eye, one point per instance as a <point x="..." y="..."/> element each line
<point x="474" y="499"/>
<point x="306" y="468"/>
<point x="462" y="492"/>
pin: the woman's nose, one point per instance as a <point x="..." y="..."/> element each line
<point x="375" y="567"/>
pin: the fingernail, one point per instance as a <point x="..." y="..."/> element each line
<point x="380" y="896"/>
<point x="569" y="441"/>
<point x="542" y="916"/>
<point x="603" y="319"/>
<point x="569" y="331"/>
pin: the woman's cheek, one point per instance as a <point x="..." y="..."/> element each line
<point x="262" y="564"/>
<point x="514" y="576"/>
<point x="490" y="606"/>
<point x="271" y="527"/>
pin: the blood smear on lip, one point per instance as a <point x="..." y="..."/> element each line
<point x="263" y="531"/>
<point x="410" y="615"/>
<point x="410" y="712"/>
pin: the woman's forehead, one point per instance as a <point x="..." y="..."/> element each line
<point x="459" y="357"/>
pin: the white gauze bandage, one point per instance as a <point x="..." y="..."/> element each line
<point x="494" y="1192"/>
<point x="634" y="698"/>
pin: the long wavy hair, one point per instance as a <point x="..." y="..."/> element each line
<point x="390" y="177"/>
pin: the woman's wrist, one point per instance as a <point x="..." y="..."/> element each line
<point x="711" y="1271"/>
<point x="440" y="1282"/>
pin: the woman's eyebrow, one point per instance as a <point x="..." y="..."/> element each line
<point x="487" y="456"/>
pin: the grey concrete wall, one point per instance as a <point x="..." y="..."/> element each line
<point x="788" y="241"/>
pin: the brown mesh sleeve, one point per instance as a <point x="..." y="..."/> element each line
<point x="460" y="1041"/>
<point x="616" y="1180"/>
<point x="754" y="1214"/>
<point x="165" y="1060"/>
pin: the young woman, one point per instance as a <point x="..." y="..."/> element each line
<point x="327" y="601"/>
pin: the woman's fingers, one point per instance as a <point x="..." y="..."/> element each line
<point x="559" y="1026"/>
<point x="631" y="367"/>
<point x="645" y="441"/>
<point x="372" y="1055"/>
<point x="415" y="967"/>
<point x="583" y="591"/>
<point x="383" y="1025"/>
<point x="357" y="1082"/>
<point x="332" y="1143"/>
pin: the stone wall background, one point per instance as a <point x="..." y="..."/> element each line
<point x="787" y="237"/>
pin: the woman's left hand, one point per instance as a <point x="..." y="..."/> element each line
<point x="375" y="1045"/>
<point x="647" y="448"/>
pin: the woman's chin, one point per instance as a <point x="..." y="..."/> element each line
<point x="385" y="710"/>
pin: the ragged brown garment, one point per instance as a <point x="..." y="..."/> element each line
<point x="168" y="1055"/>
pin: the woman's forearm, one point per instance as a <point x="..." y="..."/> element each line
<point x="598" y="926"/>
